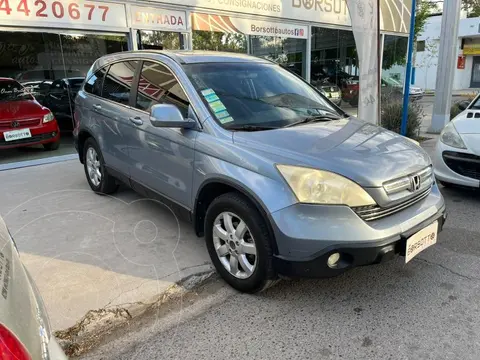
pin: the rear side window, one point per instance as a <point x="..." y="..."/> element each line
<point x="118" y="82"/>
<point x="95" y="82"/>
<point x="157" y="85"/>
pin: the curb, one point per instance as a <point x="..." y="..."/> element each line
<point x="95" y="325"/>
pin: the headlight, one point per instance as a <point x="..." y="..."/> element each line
<point x="450" y="137"/>
<point x="322" y="187"/>
<point x="49" y="117"/>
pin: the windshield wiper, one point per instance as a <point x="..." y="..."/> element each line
<point x="314" y="119"/>
<point x="250" y="127"/>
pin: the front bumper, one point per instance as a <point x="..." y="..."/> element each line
<point x="446" y="174"/>
<point x="306" y="235"/>
<point x="41" y="134"/>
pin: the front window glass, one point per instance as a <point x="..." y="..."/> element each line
<point x="244" y="94"/>
<point x="157" y="85"/>
<point x="13" y="91"/>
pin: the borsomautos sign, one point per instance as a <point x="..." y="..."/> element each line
<point x="63" y="13"/>
<point x="158" y="19"/>
<point x="395" y="14"/>
<point x="228" y="24"/>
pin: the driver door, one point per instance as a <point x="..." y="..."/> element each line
<point x="161" y="158"/>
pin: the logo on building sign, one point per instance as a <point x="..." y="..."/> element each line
<point x="327" y="6"/>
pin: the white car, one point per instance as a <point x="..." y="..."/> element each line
<point x="457" y="153"/>
<point x="25" y="332"/>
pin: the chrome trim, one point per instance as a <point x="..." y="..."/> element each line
<point x="375" y="212"/>
<point x="405" y="182"/>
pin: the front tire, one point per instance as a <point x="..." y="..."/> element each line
<point x="239" y="243"/>
<point x="97" y="176"/>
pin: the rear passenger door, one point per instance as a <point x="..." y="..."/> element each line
<point x="162" y="158"/>
<point x="114" y="112"/>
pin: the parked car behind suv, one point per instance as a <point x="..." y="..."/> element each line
<point x="23" y="121"/>
<point x="25" y="331"/>
<point x="277" y="179"/>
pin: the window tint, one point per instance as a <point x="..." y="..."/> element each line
<point x="118" y="82"/>
<point x="157" y="85"/>
<point x="95" y="82"/>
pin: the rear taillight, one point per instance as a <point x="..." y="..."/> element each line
<point x="10" y="347"/>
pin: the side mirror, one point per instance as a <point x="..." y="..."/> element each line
<point x="169" y="116"/>
<point x="462" y="105"/>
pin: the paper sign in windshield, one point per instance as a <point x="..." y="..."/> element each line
<point x="217" y="106"/>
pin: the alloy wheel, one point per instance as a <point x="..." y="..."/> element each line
<point x="234" y="245"/>
<point x="93" y="167"/>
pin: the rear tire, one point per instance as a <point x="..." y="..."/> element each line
<point x="52" y="146"/>
<point x="97" y="176"/>
<point x="261" y="274"/>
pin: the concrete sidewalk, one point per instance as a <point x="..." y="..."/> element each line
<point x="88" y="252"/>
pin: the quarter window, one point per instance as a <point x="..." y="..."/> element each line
<point x="118" y="82"/>
<point x="157" y="85"/>
<point x="95" y="82"/>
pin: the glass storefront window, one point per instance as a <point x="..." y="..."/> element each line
<point x="218" y="41"/>
<point x="290" y="53"/>
<point x="393" y="67"/>
<point x="160" y="40"/>
<point x="51" y="67"/>
<point x="334" y="66"/>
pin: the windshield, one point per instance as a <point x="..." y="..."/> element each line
<point x="392" y="82"/>
<point x="12" y="91"/>
<point x="253" y="94"/>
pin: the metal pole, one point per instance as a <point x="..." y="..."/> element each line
<point x="408" y="74"/>
<point x="446" y="65"/>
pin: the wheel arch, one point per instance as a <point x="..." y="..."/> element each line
<point x="211" y="189"/>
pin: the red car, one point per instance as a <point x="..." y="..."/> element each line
<point x="23" y="121"/>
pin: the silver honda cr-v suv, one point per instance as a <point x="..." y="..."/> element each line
<point x="278" y="179"/>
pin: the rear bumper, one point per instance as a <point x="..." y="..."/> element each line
<point x="353" y="254"/>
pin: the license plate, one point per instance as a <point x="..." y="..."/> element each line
<point x="335" y="95"/>
<point x="420" y="241"/>
<point x="17" y="134"/>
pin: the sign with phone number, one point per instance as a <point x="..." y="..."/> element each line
<point x="63" y="13"/>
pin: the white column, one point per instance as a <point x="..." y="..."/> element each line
<point x="446" y="65"/>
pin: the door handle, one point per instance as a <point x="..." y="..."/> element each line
<point x="97" y="107"/>
<point x="136" y="120"/>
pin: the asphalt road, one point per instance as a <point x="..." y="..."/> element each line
<point x="427" y="309"/>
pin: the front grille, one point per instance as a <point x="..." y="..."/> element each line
<point x="33" y="139"/>
<point x="464" y="164"/>
<point x="375" y="212"/>
<point x="7" y="124"/>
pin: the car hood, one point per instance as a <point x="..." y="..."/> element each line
<point x="365" y="153"/>
<point x="466" y="125"/>
<point x="14" y="110"/>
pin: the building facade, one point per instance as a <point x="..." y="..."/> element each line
<point x="467" y="67"/>
<point x="44" y="42"/>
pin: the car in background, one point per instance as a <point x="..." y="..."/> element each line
<point x="60" y="99"/>
<point x="25" y="332"/>
<point x="457" y="152"/>
<point x="38" y="89"/>
<point x="23" y="120"/>
<point x="47" y="74"/>
<point x="328" y="89"/>
<point x="416" y="93"/>
<point x="277" y="179"/>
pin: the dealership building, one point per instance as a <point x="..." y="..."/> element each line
<point x="42" y="41"/>
<point x="64" y="37"/>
